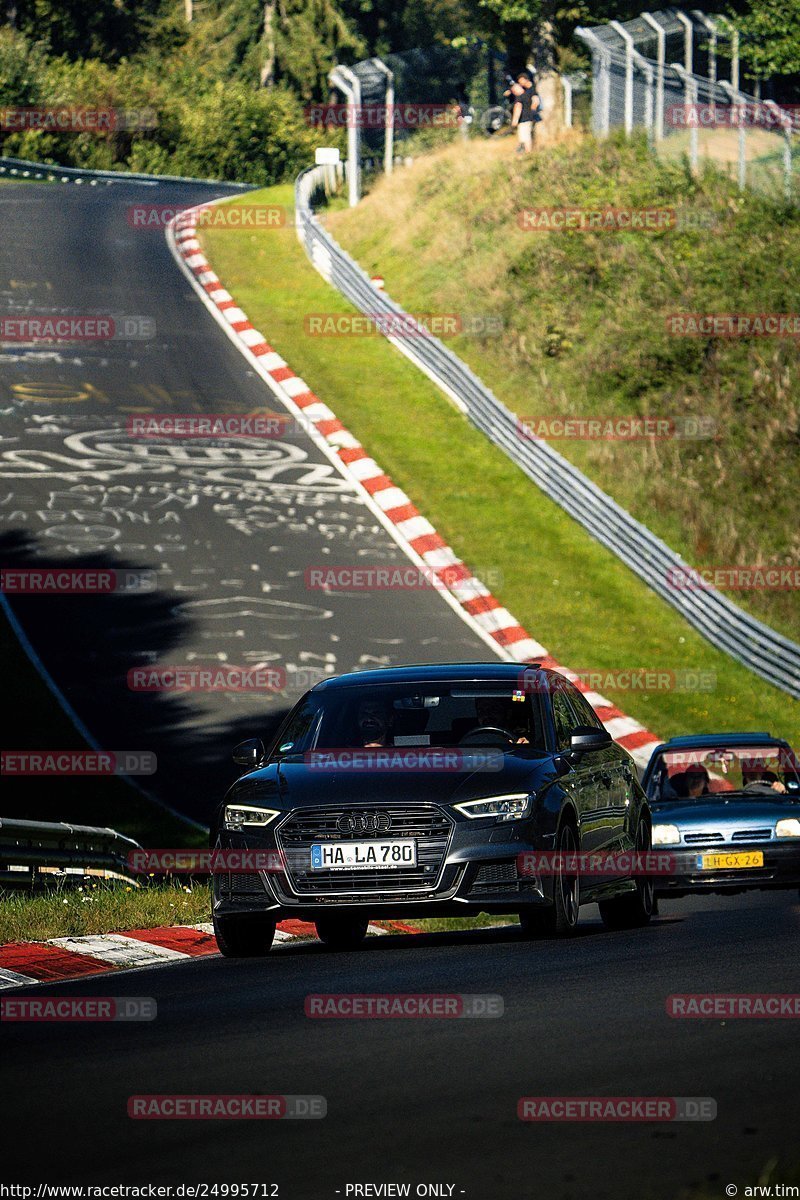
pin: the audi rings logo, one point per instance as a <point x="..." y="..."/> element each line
<point x="364" y="822"/>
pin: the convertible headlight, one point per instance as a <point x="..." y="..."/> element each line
<point x="788" y="827"/>
<point x="504" y="808"/>
<point x="666" y="835"/>
<point x="238" y="815"/>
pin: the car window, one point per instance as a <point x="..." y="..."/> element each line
<point x="435" y="714"/>
<point x="563" y="719"/>
<point x="584" y="713"/>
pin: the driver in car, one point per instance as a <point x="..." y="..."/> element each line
<point x="373" y="723"/>
<point x="499" y="713"/>
<point x="763" y="781"/>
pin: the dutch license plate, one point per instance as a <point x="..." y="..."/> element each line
<point x="349" y="856"/>
<point x="729" y="862"/>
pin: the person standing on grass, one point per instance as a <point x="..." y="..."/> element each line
<point x="526" y="103"/>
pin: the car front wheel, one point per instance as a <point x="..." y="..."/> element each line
<point x="559" y="919"/>
<point x="342" y="933"/>
<point x="247" y="936"/>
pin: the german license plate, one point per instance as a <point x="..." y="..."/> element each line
<point x="350" y="856"/>
<point x="729" y="862"/>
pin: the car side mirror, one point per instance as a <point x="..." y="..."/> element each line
<point x="249" y="754"/>
<point x="585" y="739"/>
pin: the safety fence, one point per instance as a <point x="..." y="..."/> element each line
<point x="661" y="73"/>
<point x="763" y="650"/>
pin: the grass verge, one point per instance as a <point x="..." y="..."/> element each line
<point x="574" y="596"/>
<point x="100" y="909"/>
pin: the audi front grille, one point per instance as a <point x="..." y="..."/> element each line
<point x="428" y="825"/>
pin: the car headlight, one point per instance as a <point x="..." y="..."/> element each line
<point x="666" y="835"/>
<point x="788" y="827"/>
<point x="511" y="807"/>
<point x="238" y="815"/>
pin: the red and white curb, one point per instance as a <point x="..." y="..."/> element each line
<point x="464" y="592"/>
<point x="73" y="957"/>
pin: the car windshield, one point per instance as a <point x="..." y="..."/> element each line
<point x="743" y="770"/>
<point x="439" y="714"/>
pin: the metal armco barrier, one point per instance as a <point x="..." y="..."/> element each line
<point x="34" y="853"/>
<point x="23" y="168"/>
<point x="768" y="653"/>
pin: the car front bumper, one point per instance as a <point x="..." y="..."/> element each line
<point x="781" y="869"/>
<point x="474" y="866"/>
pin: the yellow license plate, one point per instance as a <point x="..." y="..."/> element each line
<point x="728" y="862"/>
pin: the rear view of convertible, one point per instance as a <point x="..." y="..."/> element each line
<point x="727" y="808"/>
<point x="431" y="791"/>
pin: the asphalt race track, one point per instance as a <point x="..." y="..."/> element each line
<point x="429" y="1100"/>
<point x="230" y="531"/>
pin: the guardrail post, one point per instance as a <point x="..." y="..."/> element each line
<point x="738" y="102"/>
<point x="601" y="96"/>
<point x="567" y="86"/>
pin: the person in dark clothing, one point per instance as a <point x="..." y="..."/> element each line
<point x="524" y="112"/>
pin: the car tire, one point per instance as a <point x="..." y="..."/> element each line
<point x="634" y="910"/>
<point x="559" y="919"/>
<point x="342" y="933"/>
<point x="247" y="936"/>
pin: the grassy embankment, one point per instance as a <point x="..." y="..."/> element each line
<point x="569" y="592"/>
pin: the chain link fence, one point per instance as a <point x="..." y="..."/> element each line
<point x="661" y="73"/>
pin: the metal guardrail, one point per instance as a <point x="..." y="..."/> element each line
<point x="768" y="653"/>
<point x="23" y="168"/>
<point x="38" y="852"/>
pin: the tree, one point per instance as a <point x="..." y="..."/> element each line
<point x="770" y="37"/>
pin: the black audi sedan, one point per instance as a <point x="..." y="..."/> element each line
<point x="443" y="790"/>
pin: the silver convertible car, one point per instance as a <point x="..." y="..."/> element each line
<point x="726" y="807"/>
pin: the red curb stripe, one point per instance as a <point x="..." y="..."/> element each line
<point x="349" y="454"/>
<point x="428" y="541"/>
<point x="304" y="399"/>
<point x="298" y="928"/>
<point x="223" y="304"/>
<point x="329" y="426"/>
<point x="241" y="326"/>
<point x="177" y="937"/>
<point x="378" y="483"/>
<point x="403" y="513"/>
<point x="480" y="604"/>
<point x="281" y="373"/>
<point x="507" y="637"/>
<point x="454" y="573"/>
<point x="261" y="348"/>
<point x="45" y="962"/>
<point x="639" y="737"/>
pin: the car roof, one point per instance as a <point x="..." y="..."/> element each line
<point x="463" y="672"/>
<point x="700" y="741"/>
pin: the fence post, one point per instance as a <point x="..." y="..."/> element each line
<point x="688" y="58"/>
<point x="601" y="96"/>
<point x="628" y="43"/>
<point x="348" y="83"/>
<point x="786" y="124"/>
<point x="738" y="101"/>
<point x="646" y="68"/>
<point x="661" y="36"/>
<point x="388" y="136"/>
<point x="690" y="84"/>
<point x="567" y="86"/>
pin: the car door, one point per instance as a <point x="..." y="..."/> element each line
<point x="580" y="783"/>
<point x="608" y="787"/>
